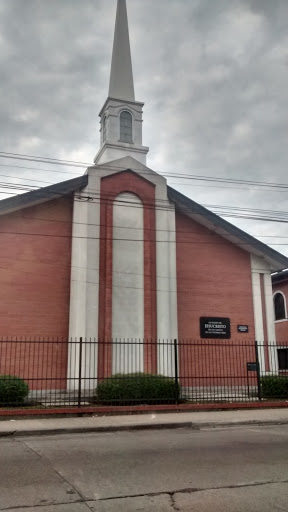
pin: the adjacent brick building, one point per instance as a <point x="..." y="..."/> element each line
<point x="280" y="300"/>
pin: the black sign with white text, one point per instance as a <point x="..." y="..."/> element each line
<point x="215" y="328"/>
<point x="243" y="328"/>
<point x="251" y="367"/>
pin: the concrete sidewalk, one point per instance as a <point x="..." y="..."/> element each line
<point x="193" y="420"/>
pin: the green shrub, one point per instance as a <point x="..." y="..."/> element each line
<point x="137" y="388"/>
<point x="13" y="390"/>
<point x="274" y="386"/>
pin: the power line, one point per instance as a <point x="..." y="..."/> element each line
<point x="236" y="212"/>
<point x="279" y="216"/>
<point x="73" y="163"/>
<point x="135" y="228"/>
<point x="52" y="161"/>
<point x="274" y="190"/>
<point x="60" y="171"/>
<point x="223" y="210"/>
<point x="25" y="179"/>
<point x="104" y="238"/>
<point x="97" y="195"/>
<point x="177" y="290"/>
<point x="178" y="278"/>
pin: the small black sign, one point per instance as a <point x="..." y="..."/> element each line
<point x="251" y="367"/>
<point x="243" y="328"/>
<point x="215" y="328"/>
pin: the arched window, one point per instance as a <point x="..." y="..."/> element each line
<point x="279" y="306"/>
<point x="126" y="127"/>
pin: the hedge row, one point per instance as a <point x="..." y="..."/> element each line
<point x="13" y="390"/>
<point x="133" y="388"/>
<point x="274" y="386"/>
<point x="137" y="388"/>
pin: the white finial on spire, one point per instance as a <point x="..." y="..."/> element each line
<point x="121" y="78"/>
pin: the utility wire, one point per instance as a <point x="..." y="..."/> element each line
<point x="228" y="211"/>
<point x="110" y="199"/>
<point x="156" y="230"/>
<point x="271" y="216"/>
<point x="32" y="272"/>
<point x="176" y="290"/>
<point x="136" y="240"/>
<point x="73" y="163"/>
<point x="96" y="195"/>
<point x="60" y="171"/>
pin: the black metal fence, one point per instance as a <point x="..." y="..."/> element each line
<point x="83" y="372"/>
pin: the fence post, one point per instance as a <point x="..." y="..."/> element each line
<point x="258" y="371"/>
<point x="80" y="372"/>
<point x="176" y="372"/>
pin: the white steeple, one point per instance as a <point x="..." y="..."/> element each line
<point x="121" y="115"/>
<point x="121" y="77"/>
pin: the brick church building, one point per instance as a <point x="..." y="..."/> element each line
<point x="117" y="253"/>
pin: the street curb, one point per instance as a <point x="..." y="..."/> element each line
<point x="89" y="430"/>
<point x="138" y="409"/>
<point x="142" y="427"/>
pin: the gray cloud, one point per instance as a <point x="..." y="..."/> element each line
<point x="213" y="75"/>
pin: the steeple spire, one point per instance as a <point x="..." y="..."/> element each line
<point x="121" y="116"/>
<point x="121" y="77"/>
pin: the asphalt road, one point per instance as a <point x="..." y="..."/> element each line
<point x="234" y="469"/>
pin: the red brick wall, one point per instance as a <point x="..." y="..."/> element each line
<point x="213" y="279"/>
<point x="280" y="326"/>
<point x="35" y="261"/>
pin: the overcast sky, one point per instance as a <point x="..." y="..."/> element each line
<point x="213" y="75"/>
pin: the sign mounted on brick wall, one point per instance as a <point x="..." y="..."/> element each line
<point x="251" y="367"/>
<point x="215" y="328"/>
<point x="243" y="328"/>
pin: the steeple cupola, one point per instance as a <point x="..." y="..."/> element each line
<point x="121" y="116"/>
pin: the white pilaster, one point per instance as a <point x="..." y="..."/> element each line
<point x="273" y="356"/>
<point x="167" y="317"/>
<point x="258" y="267"/>
<point x="84" y="290"/>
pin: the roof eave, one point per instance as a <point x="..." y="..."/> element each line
<point x="42" y="195"/>
<point x="280" y="277"/>
<point x="227" y="230"/>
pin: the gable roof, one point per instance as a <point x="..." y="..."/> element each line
<point x="280" y="277"/>
<point x="227" y="230"/>
<point x="41" y="195"/>
<point x="183" y="204"/>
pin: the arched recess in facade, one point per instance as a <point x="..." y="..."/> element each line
<point x="128" y="284"/>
